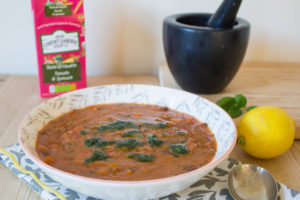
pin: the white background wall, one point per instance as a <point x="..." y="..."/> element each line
<point x="125" y="36"/>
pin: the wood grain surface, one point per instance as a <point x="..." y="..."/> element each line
<point x="262" y="83"/>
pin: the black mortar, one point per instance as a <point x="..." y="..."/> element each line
<point x="203" y="59"/>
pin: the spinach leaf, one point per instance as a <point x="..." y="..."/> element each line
<point x="142" y="157"/>
<point x="181" y="133"/>
<point x="154" y="141"/>
<point x="118" y="125"/>
<point x="130" y="133"/>
<point x="98" y="142"/>
<point x="130" y="143"/>
<point x="182" y="141"/>
<point x="97" y="155"/>
<point x="159" y="126"/>
<point x="174" y="154"/>
<point x="156" y="126"/>
<point x="178" y="149"/>
<point x="148" y="124"/>
<point x="164" y="134"/>
<point x="82" y="132"/>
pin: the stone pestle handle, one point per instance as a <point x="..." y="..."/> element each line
<point x="225" y="15"/>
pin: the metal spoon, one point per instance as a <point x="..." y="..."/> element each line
<point x="251" y="182"/>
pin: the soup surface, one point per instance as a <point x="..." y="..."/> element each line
<point x="126" y="142"/>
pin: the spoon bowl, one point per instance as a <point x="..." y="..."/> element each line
<point x="251" y="182"/>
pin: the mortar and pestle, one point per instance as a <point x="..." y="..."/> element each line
<point x="204" y="51"/>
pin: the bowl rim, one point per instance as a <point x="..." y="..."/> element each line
<point x="97" y="180"/>
<point x="172" y="20"/>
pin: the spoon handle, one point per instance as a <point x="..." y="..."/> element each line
<point x="225" y="15"/>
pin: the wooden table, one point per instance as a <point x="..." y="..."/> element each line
<point x="263" y="83"/>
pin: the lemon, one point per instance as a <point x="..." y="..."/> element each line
<point x="266" y="132"/>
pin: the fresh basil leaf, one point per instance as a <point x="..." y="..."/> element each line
<point x="250" y="108"/>
<point x="234" y="111"/>
<point x="226" y="102"/>
<point x="240" y="100"/>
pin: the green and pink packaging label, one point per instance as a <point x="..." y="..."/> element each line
<point x="60" y="44"/>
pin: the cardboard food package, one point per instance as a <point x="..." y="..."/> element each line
<point x="60" y="44"/>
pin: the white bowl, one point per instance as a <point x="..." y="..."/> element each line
<point x="218" y="121"/>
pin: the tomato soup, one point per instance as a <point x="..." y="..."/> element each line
<point x="126" y="141"/>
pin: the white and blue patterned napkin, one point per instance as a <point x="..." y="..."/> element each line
<point x="211" y="187"/>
